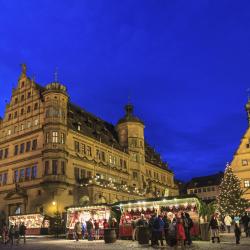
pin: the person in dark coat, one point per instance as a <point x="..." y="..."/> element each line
<point x="22" y="232"/>
<point x="166" y="224"/>
<point x="150" y="226"/>
<point x="245" y="220"/>
<point x="237" y="233"/>
<point x="187" y="224"/>
<point x="214" y="226"/>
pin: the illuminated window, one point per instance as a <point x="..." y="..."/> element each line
<point x="246" y="183"/>
<point x="9" y="132"/>
<point x="62" y="138"/>
<point x="22" y="127"/>
<point x="29" y="124"/>
<point x="244" y="162"/>
<point x="36" y="122"/>
<point x="55" y="137"/>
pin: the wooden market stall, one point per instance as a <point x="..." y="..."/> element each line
<point x="83" y="214"/>
<point x="133" y="209"/>
<point x="34" y="223"/>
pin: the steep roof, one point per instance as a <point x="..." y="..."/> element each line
<point x="204" y="181"/>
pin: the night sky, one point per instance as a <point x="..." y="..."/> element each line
<point x="184" y="64"/>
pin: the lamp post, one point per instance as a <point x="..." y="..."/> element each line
<point x="55" y="203"/>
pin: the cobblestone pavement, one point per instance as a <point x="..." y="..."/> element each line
<point x="227" y="243"/>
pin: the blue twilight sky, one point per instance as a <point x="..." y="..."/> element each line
<point x="185" y="65"/>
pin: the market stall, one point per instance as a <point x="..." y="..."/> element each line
<point x="97" y="213"/>
<point x="33" y="222"/>
<point x="132" y="210"/>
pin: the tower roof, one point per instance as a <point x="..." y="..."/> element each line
<point x="129" y="116"/>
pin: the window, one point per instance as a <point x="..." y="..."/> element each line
<point x="83" y="173"/>
<point x="77" y="146"/>
<point x="88" y="151"/>
<point x="29" y="95"/>
<point x="39" y="192"/>
<point x="16" y="150"/>
<point x="62" y="138"/>
<point x="204" y="190"/>
<point x="27" y="173"/>
<point x="34" y="172"/>
<point x="22" y="111"/>
<point x="83" y="148"/>
<point x="28" y="109"/>
<point x="22" y="127"/>
<point x="76" y="172"/>
<point x="15" y="114"/>
<point x="133" y="156"/>
<point x="5" y="177"/>
<point x="89" y="174"/>
<point x="34" y="144"/>
<point x="9" y="118"/>
<point x="6" y="153"/>
<point x="21" y="177"/>
<point x="55" y="137"/>
<point x="54" y="167"/>
<point x="63" y="167"/>
<point x="79" y="127"/>
<point x="199" y="190"/>
<point x="36" y="122"/>
<point x="191" y="191"/>
<point x="135" y="175"/>
<point x="16" y="100"/>
<point x="244" y="162"/>
<point x="36" y="106"/>
<point x="16" y="176"/>
<point x="22" y="84"/>
<point x="9" y="131"/>
<point x="22" y="148"/>
<point x="1" y="154"/>
<point x="28" y="124"/>
<point x="195" y="191"/>
<point x="22" y="97"/>
<point x="28" y="144"/>
<point x="208" y="189"/>
<point x="47" y="137"/>
<point x="46" y="168"/>
<point x="246" y="183"/>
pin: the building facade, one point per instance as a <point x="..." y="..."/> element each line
<point x="241" y="159"/>
<point x="205" y="187"/>
<point x="54" y="154"/>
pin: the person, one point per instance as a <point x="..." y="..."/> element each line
<point x="188" y="224"/>
<point x="90" y="229"/>
<point x="248" y="229"/>
<point x="228" y="222"/>
<point x="237" y="233"/>
<point x="105" y="224"/>
<point x="172" y="231"/>
<point x="245" y="219"/>
<point x="83" y="229"/>
<point x="141" y="222"/>
<point x="96" y="224"/>
<point x="12" y="234"/>
<point x="16" y="230"/>
<point x="78" y="230"/>
<point x="161" y="231"/>
<point x="156" y="231"/>
<point x="133" y="224"/>
<point x="114" y="225"/>
<point x="22" y="232"/>
<point x="213" y="225"/>
<point x="150" y="228"/>
<point x="166" y="225"/>
<point x="5" y="234"/>
<point x="181" y="236"/>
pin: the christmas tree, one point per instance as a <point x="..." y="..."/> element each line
<point x="230" y="199"/>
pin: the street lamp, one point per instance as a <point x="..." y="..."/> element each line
<point x="57" y="217"/>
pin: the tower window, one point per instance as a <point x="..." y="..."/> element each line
<point x="54" y="167"/>
<point x="29" y="94"/>
<point x="22" y="97"/>
<point x="34" y="144"/>
<point x="16" y="100"/>
<point x="9" y="118"/>
<point x="55" y="137"/>
<point x="36" y="106"/>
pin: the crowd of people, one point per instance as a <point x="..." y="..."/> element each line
<point x="218" y="225"/>
<point x="13" y="234"/>
<point x="91" y="229"/>
<point x="166" y="227"/>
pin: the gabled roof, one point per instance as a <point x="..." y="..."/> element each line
<point x="205" y="181"/>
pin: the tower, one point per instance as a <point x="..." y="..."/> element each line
<point x="248" y="111"/>
<point x="55" y="138"/>
<point x="130" y="131"/>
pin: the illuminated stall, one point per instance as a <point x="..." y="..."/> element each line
<point x="133" y="209"/>
<point x="33" y="222"/>
<point x="82" y="214"/>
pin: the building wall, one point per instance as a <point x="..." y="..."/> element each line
<point x="241" y="163"/>
<point x="50" y="176"/>
<point x="206" y="192"/>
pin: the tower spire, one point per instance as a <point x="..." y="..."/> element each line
<point x="23" y="70"/>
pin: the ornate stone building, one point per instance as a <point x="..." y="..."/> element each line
<point x="55" y="154"/>
<point x="241" y="160"/>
